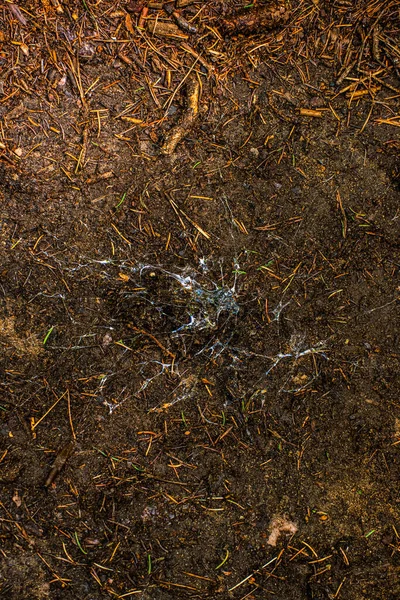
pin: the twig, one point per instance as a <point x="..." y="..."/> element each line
<point x="252" y="574"/>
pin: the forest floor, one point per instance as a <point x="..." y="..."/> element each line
<point x="199" y="297"/>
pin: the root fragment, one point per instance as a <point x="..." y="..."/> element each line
<point x="186" y="123"/>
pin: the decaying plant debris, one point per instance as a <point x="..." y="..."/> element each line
<point x="257" y="20"/>
<point x="199" y="299"/>
<point x="60" y="462"/>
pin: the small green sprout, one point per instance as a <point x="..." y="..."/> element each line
<point x="48" y="334"/>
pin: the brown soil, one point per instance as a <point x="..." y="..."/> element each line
<point x="199" y="350"/>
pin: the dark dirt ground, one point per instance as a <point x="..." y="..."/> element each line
<point x="208" y="340"/>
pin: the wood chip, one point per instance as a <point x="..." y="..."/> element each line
<point x="165" y="29"/>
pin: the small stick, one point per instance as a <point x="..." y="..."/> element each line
<point x="345" y="72"/>
<point x="142" y="17"/>
<point x="309" y="112"/>
<point x="375" y="44"/>
<point x="165" y="29"/>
